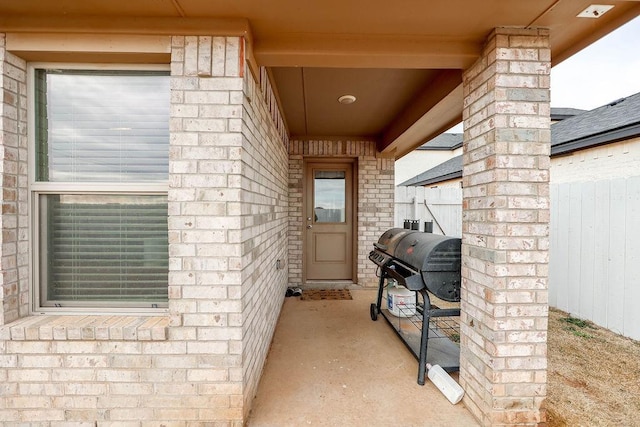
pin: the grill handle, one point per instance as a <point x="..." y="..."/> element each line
<point x="412" y="281"/>
<point x="380" y="246"/>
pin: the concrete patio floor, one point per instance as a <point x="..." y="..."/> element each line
<point x="331" y="365"/>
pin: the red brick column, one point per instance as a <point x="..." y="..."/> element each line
<point x="505" y="228"/>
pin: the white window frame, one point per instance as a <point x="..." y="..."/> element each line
<point x="35" y="189"/>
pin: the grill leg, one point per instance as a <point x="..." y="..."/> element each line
<point x="424" y="339"/>
<point x="383" y="276"/>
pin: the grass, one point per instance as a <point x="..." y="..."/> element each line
<point x="593" y="375"/>
<point x="575" y="323"/>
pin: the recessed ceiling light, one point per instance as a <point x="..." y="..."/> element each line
<point x="595" y="11"/>
<point x="347" y="99"/>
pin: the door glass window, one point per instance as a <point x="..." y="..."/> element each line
<point x="329" y="196"/>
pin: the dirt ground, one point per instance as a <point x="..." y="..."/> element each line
<point x="594" y="375"/>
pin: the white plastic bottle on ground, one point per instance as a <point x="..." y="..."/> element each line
<point x="447" y="385"/>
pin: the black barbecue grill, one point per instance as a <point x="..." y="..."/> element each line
<point x="424" y="263"/>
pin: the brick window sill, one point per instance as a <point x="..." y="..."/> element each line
<point x="86" y="328"/>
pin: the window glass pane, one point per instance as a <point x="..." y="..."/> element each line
<point x="103" y="248"/>
<point x="101" y="126"/>
<point x="329" y="195"/>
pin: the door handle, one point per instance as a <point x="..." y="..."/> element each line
<point x="309" y="226"/>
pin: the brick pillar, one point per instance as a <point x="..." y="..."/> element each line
<point x="505" y="229"/>
<point x="205" y="249"/>
<point x="14" y="261"/>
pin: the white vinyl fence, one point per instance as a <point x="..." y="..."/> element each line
<point x="594" y="268"/>
<point x="442" y="206"/>
<point x="594" y="265"/>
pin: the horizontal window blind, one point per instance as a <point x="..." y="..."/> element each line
<point x="102" y="126"/>
<point x="104" y="247"/>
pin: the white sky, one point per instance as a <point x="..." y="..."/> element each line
<point x="605" y="71"/>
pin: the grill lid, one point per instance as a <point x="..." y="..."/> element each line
<point x="390" y="239"/>
<point x="429" y="252"/>
<point x="436" y="258"/>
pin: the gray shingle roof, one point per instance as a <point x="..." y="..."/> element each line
<point x="564" y="113"/>
<point x="444" y="141"/>
<point x="450" y="169"/>
<point x="612" y="122"/>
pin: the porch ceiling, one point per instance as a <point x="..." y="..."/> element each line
<point x="402" y="60"/>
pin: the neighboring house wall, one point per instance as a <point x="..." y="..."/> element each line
<point x="441" y="205"/>
<point x="227" y="227"/>
<point x="419" y="161"/>
<point x="616" y="160"/>
<point x="594" y="268"/>
<point x="375" y="201"/>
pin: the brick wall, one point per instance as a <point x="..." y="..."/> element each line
<point x="505" y="229"/>
<point x="230" y="213"/>
<point x="205" y="217"/>
<point x="375" y="203"/>
<point x="264" y="207"/>
<point x="376" y="207"/>
<point x="227" y="227"/>
<point x="14" y="261"/>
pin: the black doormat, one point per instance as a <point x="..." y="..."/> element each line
<point x="325" y="294"/>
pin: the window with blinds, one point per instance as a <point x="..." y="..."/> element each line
<point x="100" y="189"/>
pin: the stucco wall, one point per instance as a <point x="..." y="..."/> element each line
<point x="375" y="200"/>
